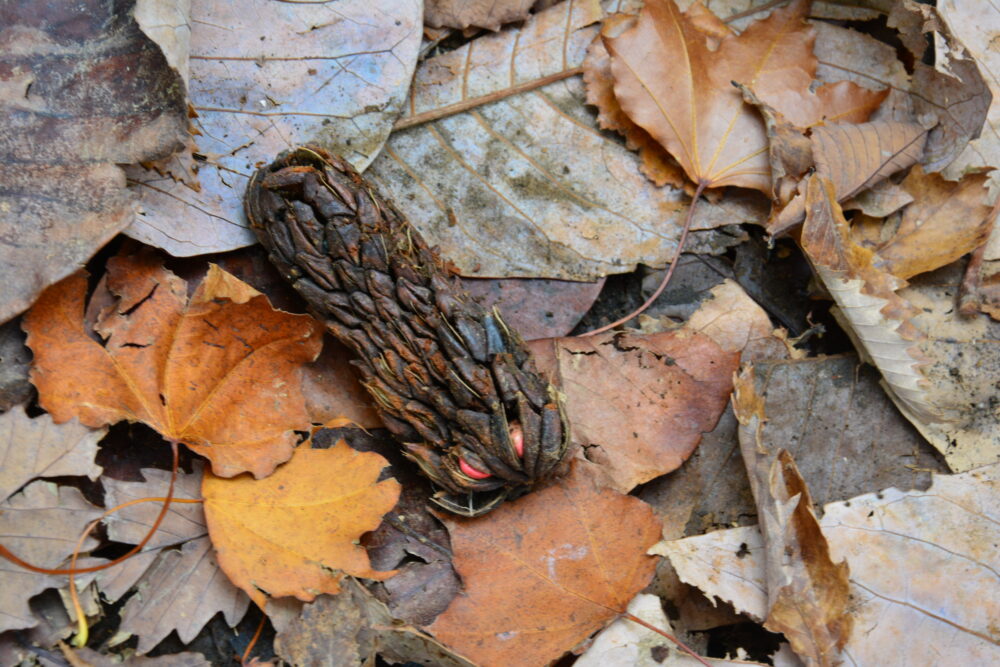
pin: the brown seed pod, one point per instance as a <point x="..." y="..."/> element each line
<point x="451" y="380"/>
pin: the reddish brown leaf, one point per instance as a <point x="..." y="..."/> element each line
<point x="545" y="571"/>
<point x="462" y="14"/>
<point x="295" y="532"/>
<point x="217" y="372"/>
<point x="640" y="403"/>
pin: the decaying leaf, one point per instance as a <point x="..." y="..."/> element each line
<point x="81" y="89"/>
<point x="528" y="186"/>
<point x="638" y="404"/>
<point x="15" y="360"/>
<point x="918" y="559"/>
<point x="545" y="571"/>
<point x="296" y="532"/>
<point x="31" y="448"/>
<point x="946" y="220"/>
<point x="462" y="14"/>
<point x="808" y="594"/>
<point x="264" y="74"/>
<point x="880" y="321"/>
<point x="40" y="525"/>
<point x="217" y="372"/>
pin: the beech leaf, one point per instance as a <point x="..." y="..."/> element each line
<point x="545" y="571"/>
<point x="217" y="372"/>
<point x="295" y="532"/>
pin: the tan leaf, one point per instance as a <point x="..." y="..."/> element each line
<point x="182" y="522"/>
<point x="72" y="111"/>
<point x="947" y="220"/>
<point x="262" y="72"/>
<point x="238" y="404"/>
<point x="855" y="157"/>
<point x="38" y="447"/>
<point x="528" y="185"/>
<point x="879" y="320"/>
<point x="545" y="571"/>
<point x="462" y="14"/>
<point x="639" y="404"/>
<point x="295" y="532"/>
<point x="808" y="594"/>
<point x="40" y="525"/>
<point x="892" y="540"/>
<point x="182" y="590"/>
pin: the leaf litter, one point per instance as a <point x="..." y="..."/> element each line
<point x="497" y="156"/>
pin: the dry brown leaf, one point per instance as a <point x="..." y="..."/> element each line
<point x="918" y="559"/>
<point x="638" y="404"/>
<point x="238" y="405"/>
<point x="333" y="390"/>
<point x="528" y="186"/>
<point x="38" y="447"/>
<point x="545" y="571"/>
<point x="263" y="75"/>
<point x="878" y="319"/>
<point x="462" y="14"/>
<point x="75" y="101"/>
<point x="738" y="324"/>
<point x="182" y="522"/>
<point x="808" y="594"/>
<point x="40" y="525"/>
<point x="15" y="359"/>
<point x="182" y="590"/>
<point x="947" y="220"/>
<point x="88" y="657"/>
<point x="853" y="158"/>
<point x="296" y="532"/>
<point x="656" y="163"/>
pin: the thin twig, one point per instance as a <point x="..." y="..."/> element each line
<point x="472" y="102"/>
<point x="681" y="645"/>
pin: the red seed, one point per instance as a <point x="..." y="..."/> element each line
<point x="464" y="466"/>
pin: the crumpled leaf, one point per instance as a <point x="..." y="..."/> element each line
<point x="462" y="14"/>
<point x="263" y="75"/>
<point x="892" y="540"/>
<point x="40" y="525"/>
<point x="671" y="82"/>
<point x="528" y="186"/>
<point x="347" y="628"/>
<point x="807" y="593"/>
<point x="638" y="404"/>
<point x="946" y="220"/>
<point x="238" y="405"/>
<point x="38" y="447"/>
<point x="543" y="572"/>
<point x="81" y="89"/>
<point x="855" y="157"/>
<point x="877" y="317"/>
<point x="295" y="532"/>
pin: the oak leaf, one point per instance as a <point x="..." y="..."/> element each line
<point x="545" y="571"/>
<point x="295" y="532"/>
<point x="217" y="372"/>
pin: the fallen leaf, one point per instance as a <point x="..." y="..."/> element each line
<point x="946" y="220"/>
<point x="737" y="324"/>
<point x="238" y="404"/>
<point x="528" y="185"/>
<point x="879" y="320"/>
<point x="880" y="200"/>
<point x="90" y="658"/>
<point x="262" y="72"/>
<point x="348" y="628"/>
<point x="181" y="591"/>
<point x="332" y="388"/>
<point x="639" y="404"/>
<point x="38" y="447"/>
<point x="853" y="158"/>
<point x="181" y="523"/>
<point x="808" y="593"/>
<point x="40" y="525"/>
<point x="296" y="531"/>
<point x="545" y="571"/>
<point x="15" y="359"/>
<point x="892" y="540"/>
<point x="81" y="89"/>
<point x="461" y="14"/>
<point x="528" y="304"/>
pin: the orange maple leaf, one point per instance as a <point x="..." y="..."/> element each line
<point x="296" y="532"/>
<point x="217" y="372"/>
<point x="544" y="572"/>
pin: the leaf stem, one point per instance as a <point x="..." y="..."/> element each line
<point x="681" y="645"/>
<point x="670" y="272"/>
<point x="471" y="103"/>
